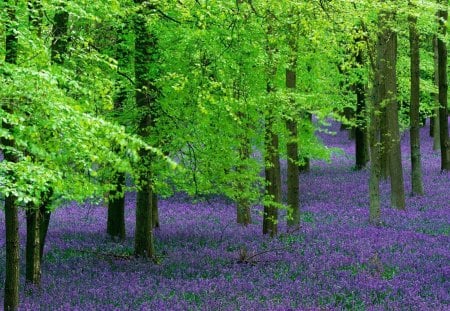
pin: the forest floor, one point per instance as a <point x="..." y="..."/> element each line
<point x="335" y="261"/>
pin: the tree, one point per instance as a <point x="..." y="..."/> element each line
<point x="361" y="148"/>
<point x="388" y="97"/>
<point x="146" y="95"/>
<point x="443" y="87"/>
<point x="271" y="156"/>
<point x="293" y="182"/>
<point x="416" y="166"/>
<point x="11" y="299"/>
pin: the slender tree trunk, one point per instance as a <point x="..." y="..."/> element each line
<point x="11" y="299"/>
<point x="33" y="260"/>
<point x="375" y="133"/>
<point x="361" y="148"/>
<point x="374" y="179"/>
<point x="155" y="210"/>
<point x="416" y="165"/>
<point x="272" y="158"/>
<point x="384" y="135"/>
<point x="146" y="55"/>
<point x="116" y="210"/>
<point x="243" y="204"/>
<point x="306" y="162"/>
<point x="443" y="89"/>
<point x="58" y="49"/>
<point x="11" y="295"/>
<point x="293" y="183"/>
<point x="436" y="136"/>
<point x="270" y="217"/>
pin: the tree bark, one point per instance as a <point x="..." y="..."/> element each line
<point x="115" y="227"/>
<point x="361" y="148"/>
<point x="146" y="56"/>
<point x="443" y="89"/>
<point x="293" y="183"/>
<point x="155" y="210"/>
<point x="416" y="165"/>
<point x="395" y="156"/>
<point x="272" y="160"/>
<point x="243" y="204"/>
<point x="306" y="162"/>
<point x="384" y="135"/>
<point x="436" y="136"/>
<point x="58" y="49"/>
<point x="32" y="252"/>
<point x="11" y="294"/>
<point x="271" y="157"/>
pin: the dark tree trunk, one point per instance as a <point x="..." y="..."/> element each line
<point x="155" y="210"/>
<point x="270" y="217"/>
<point x="11" y="295"/>
<point x="146" y="57"/>
<point x="143" y="239"/>
<point x="306" y="162"/>
<point x="243" y="204"/>
<point x="11" y="299"/>
<point x="271" y="156"/>
<point x="375" y="133"/>
<point x="435" y="130"/>
<point x="58" y="49"/>
<point x="385" y="145"/>
<point x="32" y="252"/>
<point x="116" y="210"/>
<point x="416" y="165"/>
<point x="293" y="183"/>
<point x="115" y="224"/>
<point x="443" y="89"/>
<point x="361" y="148"/>
<point x="45" y="221"/>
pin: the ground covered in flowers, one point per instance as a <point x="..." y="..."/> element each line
<point x="335" y="261"/>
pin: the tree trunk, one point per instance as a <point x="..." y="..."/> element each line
<point x="155" y="210"/>
<point x="436" y="136"/>
<point x="116" y="210"/>
<point x="374" y="179"/>
<point x="33" y="260"/>
<point x="306" y="162"/>
<point x="293" y="182"/>
<point x="271" y="157"/>
<point x="416" y="165"/>
<point x="272" y="160"/>
<point x="146" y="56"/>
<point x="11" y="295"/>
<point x="243" y="204"/>
<point x="394" y="150"/>
<point x="11" y="299"/>
<point x="443" y="89"/>
<point x="143" y="239"/>
<point x="58" y="49"/>
<point x="385" y="145"/>
<point x="361" y="148"/>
